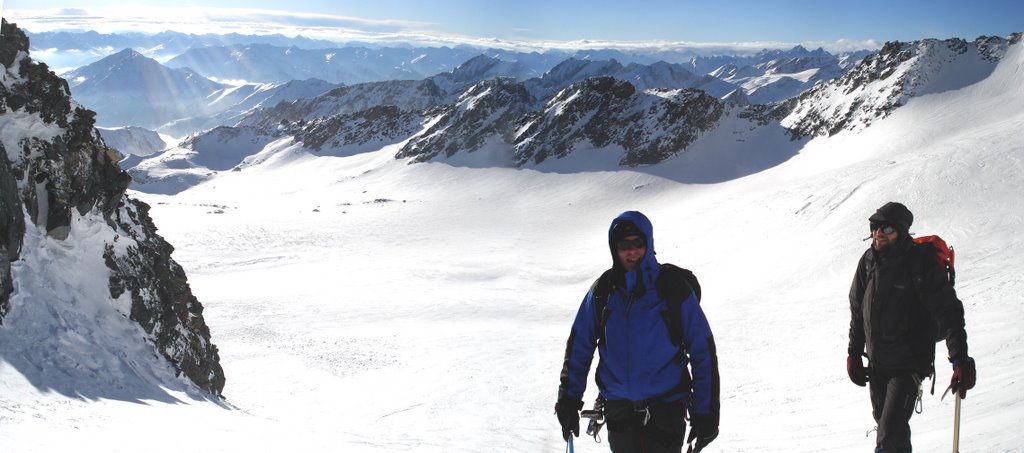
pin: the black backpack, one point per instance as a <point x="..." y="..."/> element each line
<point x="674" y="284"/>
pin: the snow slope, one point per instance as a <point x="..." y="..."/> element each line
<point x="363" y="304"/>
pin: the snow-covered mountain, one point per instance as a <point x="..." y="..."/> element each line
<point x="197" y="159"/>
<point x="344" y="65"/>
<point x="483" y="114"/>
<point x="409" y="95"/>
<point x="231" y="105"/>
<point x="885" y="81"/>
<point x="778" y="76"/>
<point x="599" y="112"/>
<point x="128" y="88"/>
<point x="492" y="110"/>
<point x="655" y="75"/>
<point x="77" y="251"/>
<point x="72" y="49"/>
<point x="603" y="112"/>
<point x="584" y="105"/>
<point x="478" y="69"/>
<point x="133" y="140"/>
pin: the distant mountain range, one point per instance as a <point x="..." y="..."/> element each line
<point x="348" y="65"/>
<point x="79" y="48"/>
<point x="580" y="106"/>
<point x="532" y="107"/>
<point x="130" y="89"/>
<point x="74" y="49"/>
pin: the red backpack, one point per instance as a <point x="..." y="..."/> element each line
<point x="944" y="254"/>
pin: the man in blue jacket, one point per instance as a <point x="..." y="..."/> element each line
<point x="646" y="323"/>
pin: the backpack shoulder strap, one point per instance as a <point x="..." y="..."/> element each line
<point x="600" y="290"/>
<point x="675" y="284"/>
<point x="916" y="255"/>
<point x="920" y="254"/>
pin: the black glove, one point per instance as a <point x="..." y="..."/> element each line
<point x="855" y="369"/>
<point x="703" y="429"/>
<point x="568" y="411"/>
<point x="964" y="376"/>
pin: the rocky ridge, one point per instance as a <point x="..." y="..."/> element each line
<point x="54" y="168"/>
<point x="884" y="81"/>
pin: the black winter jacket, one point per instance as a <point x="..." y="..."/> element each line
<point x="895" y="317"/>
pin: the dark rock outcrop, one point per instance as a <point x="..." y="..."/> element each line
<point x="411" y="95"/>
<point x="12" y="230"/>
<point x="602" y="111"/>
<point x="383" y="124"/>
<point x="162" y="301"/>
<point x="599" y="112"/>
<point x="59" y="167"/>
<point x="488" y="109"/>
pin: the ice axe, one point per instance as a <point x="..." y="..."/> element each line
<point x="956" y="417"/>
<point x="956" y="423"/>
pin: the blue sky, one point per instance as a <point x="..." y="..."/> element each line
<point x="785" y="22"/>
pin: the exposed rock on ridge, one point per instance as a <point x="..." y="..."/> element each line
<point x="649" y="126"/>
<point x="58" y="166"/>
<point x="380" y="125"/>
<point x="486" y="110"/>
<point x="884" y="81"/>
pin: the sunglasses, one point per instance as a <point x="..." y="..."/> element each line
<point x="886" y="228"/>
<point x="625" y="244"/>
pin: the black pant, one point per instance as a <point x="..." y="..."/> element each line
<point x="662" y="433"/>
<point x="893" y="394"/>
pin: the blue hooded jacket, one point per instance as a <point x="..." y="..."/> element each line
<point x="638" y="359"/>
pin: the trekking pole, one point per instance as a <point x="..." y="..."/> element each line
<point x="568" y="444"/>
<point x="956" y="423"/>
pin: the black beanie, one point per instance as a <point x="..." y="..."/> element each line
<point x="894" y="214"/>
<point x="624" y="230"/>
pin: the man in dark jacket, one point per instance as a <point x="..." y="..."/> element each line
<point x="899" y="295"/>
<point x="643" y="373"/>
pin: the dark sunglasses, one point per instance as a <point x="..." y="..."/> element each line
<point x="886" y="228"/>
<point x="625" y="244"/>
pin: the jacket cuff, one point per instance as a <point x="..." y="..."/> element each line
<point x="569" y="402"/>
<point x="704" y="420"/>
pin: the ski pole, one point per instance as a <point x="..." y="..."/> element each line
<point x="956" y="423"/>
<point x="568" y="444"/>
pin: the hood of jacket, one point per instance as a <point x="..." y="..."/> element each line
<point x="646" y="272"/>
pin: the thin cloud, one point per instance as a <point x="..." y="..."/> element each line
<point x="340" y="29"/>
<point x="844" y="45"/>
<point x="155" y="19"/>
<point x="73" y="12"/>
